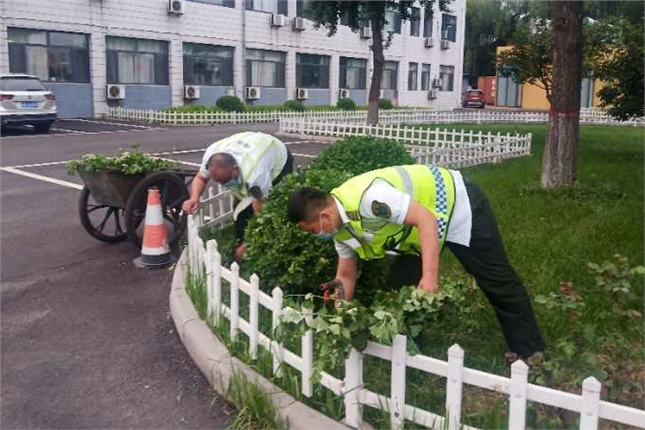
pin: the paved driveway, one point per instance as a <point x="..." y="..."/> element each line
<point x="87" y="341"/>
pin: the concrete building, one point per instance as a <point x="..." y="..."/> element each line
<point x="154" y="54"/>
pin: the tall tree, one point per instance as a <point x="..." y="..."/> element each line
<point x="559" y="162"/>
<point x="361" y="14"/>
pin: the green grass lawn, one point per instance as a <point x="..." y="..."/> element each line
<point x="550" y="237"/>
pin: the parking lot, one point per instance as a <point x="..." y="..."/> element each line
<point x="87" y="339"/>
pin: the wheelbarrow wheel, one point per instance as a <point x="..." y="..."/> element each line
<point x="172" y="191"/>
<point x="103" y="222"/>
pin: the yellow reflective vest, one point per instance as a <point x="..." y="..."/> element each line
<point x="431" y="186"/>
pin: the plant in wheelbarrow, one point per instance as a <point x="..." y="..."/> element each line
<point x="113" y="202"/>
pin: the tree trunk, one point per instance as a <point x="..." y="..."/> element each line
<point x="559" y="162"/>
<point x="377" y="73"/>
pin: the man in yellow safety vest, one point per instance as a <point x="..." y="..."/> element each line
<point x="417" y="210"/>
<point x="249" y="164"/>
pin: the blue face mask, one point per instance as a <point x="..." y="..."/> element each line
<point x="231" y="183"/>
<point x="322" y="234"/>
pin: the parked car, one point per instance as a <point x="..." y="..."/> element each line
<point x="24" y="100"/>
<point x="474" y="98"/>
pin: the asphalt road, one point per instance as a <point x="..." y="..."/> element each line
<point x="87" y="340"/>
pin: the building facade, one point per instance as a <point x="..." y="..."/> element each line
<point x="155" y="54"/>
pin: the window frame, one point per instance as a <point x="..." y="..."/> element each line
<point x="280" y="81"/>
<point x="447" y="79"/>
<point x="448" y="27"/>
<point x="415" y="22"/>
<point x="392" y="27"/>
<point x="343" y="69"/>
<point x="222" y="3"/>
<point x="160" y="63"/>
<point x="226" y="63"/>
<point x="393" y="77"/>
<point x="78" y="57"/>
<point x="324" y="77"/>
<point x="428" y="22"/>
<point x="425" y="71"/>
<point x="281" y="6"/>
<point x="413" y="81"/>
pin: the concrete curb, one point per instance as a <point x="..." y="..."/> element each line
<point x="217" y="364"/>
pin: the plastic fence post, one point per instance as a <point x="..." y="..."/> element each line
<point x="519" y="385"/>
<point x="235" y="300"/>
<point x="397" y="389"/>
<point x="253" y="316"/>
<point x="277" y="347"/>
<point x="307" y="362"/>
<point x="590" y="403"/>
<point x="454" y="386"/>
<point x="217" y="287"/>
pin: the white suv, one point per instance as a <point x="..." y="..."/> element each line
<point x="24" y="100"/>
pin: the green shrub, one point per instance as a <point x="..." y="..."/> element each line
<point x="265" y="108"/>
<point x="346" y="104"/>
<point x="323" y="108"/>
<point x="283" y="255"/>
<point x="356" y="155"/>
<point x="295" y="105"/>
<point x="193" y="108"/>
<point x="230" y="104"/>
<point x="384" y="104"/>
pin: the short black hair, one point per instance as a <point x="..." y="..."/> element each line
<point x="304" y="204"/>
<point x="221" y="159"/>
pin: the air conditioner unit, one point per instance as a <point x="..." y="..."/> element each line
<point x="115" y="92"/>
<point x="343" y="94"/>
<point x="445" y="44"/>
<point x="176" y="7"/>
<point x="366" y="33"/>
<point x="278" y="20"/>
<point x="302" y="94"/>
<point x="298" y="24"/>
<point x="429" y="42"/>
<point x="436" y="82"/>
<point x="252" y="93"/>
<point x="432" y="94"/>
<point x="191" y="92"/>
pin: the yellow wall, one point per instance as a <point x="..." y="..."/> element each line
<point x="533" y="97"/>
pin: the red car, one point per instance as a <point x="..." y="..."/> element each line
<point x="474" y="98"/>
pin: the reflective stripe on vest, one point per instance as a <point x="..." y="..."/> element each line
<point x="251" y="146"/>
<point x="431" y="186"/>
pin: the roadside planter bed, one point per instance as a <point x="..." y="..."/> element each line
<point x="340" y="360"/>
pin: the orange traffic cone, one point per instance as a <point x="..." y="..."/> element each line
<point x="154" y="251"/>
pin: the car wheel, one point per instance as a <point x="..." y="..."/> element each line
<point x="43" y="127"/>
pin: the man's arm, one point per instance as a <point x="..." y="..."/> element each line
<point x="346" y="273"/>
<point x="197" y="187"/>
<point x="426" y="223"/>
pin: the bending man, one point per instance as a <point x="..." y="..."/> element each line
<point x="249" y="164"/>
<point x="416" y="210"/>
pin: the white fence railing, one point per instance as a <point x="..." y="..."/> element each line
<point x="395" y="116"/>
<point x="447" y="148"/>
<point x="206" y="261"/>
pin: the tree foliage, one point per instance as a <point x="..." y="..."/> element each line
<point x="371" y="14"/>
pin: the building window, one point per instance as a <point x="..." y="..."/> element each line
<point x="425" y="77"/>
<point x="51" y="55"/>
<point x="393" y="22"/>
<point x="413" y="76"/>
<point x="427" y="22"/>
<point x="390" y="73"/>
<point x="273" y="6"/>
<point x="207" y="64"/>
<point x="447" y="75"/>
<point x="265" y="68"/>
<point x="225" y="3"/>
<point x="312" y="71"/>
<point x="137" y="61"/>
<point x="449" y="27"/>
<point x="302" y="8"/>
<point x="353" y="73"/>
<point x="415" y="21"/>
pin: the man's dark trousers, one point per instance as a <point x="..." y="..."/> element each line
<point x="487" y="262"/>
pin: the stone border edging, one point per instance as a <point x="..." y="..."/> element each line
<point x="218" y="365"/>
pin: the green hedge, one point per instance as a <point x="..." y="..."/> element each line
<point x="230" y="104"/>
<point x="346" y="104"/>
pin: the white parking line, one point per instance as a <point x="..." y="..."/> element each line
<point x="42" y="178"/>
<point x="188" y="163"/>
<point x="53" y="163"/>
<point x="110" y="122"/>
<point x="303" y="155"/>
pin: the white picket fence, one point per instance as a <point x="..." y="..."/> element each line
<point x="394" y="116"/>
<point x="447" y="148"/>
<point x="206" y="261"/>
